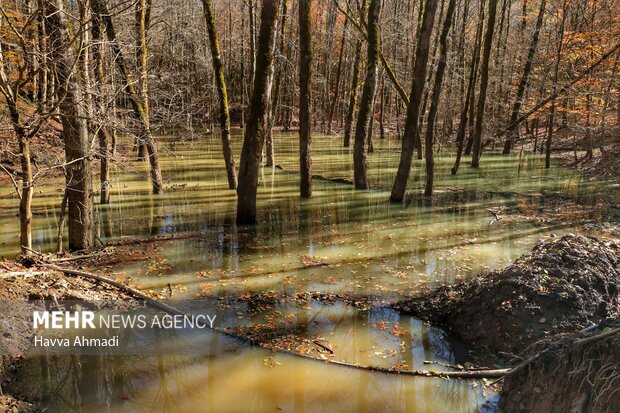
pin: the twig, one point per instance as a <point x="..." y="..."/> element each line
<point x="323" y="346"/>
<point x="76" y="258"/>
<point x="597" y="337"/>
<point x="13" y="181"/>
<point x="496" y="216"/>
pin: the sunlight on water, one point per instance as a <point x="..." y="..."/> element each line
<point x="340" y="241"/>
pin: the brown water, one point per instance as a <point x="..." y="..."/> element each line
<point x="370" y="246"/>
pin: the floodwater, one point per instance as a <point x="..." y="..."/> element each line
<point x="340" y="241"/>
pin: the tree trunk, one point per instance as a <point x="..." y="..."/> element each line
<point x="103" y="133"/>
<point x="305" y="97"/>
<point x="218" y="68"/>
<point x="413" y="110"/>
<point x="145" y="136"/>
<point x="275" y="105"/>
<point x="143" y="17"/>
<point x="25" y="204"/>
<point x="432" y="112"/>
<point x="370" y="147"/>
<point x="43" y="69"/>
<point x="75" y="132"/>
<point x="273" y="102"/>
<point x="257" y="119"/>
<point x="511" y="132"/>
<point x="332" y="108"/>
<point x="382" y="110"/>
<point x="556" y="73"/>
<point x="484" y="82"/>
<point x="368" y="97"/>
<point x="469" y="99"/>
<point x="348" y="125"/>
<point x="25" y="196"/>
<point x="252" y="17"/>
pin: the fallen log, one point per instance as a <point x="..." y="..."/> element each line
<point x="465" y="374"/>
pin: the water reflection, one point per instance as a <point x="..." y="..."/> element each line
<point x="340" y="241"/>
<point x="230" y="377"/>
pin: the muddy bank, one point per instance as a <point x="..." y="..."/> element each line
<point x="555" y="311"/>
<point x="18" y="285"/>
<point x="563" y="285"/>
<point x="577" y="374"/>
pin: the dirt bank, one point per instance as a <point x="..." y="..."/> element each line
<point x="19" y="284"/>
<point x="557" y="308"/>
<point x="580" y="375"/>
<point x="604" y="164"/>
<point x="562" y="285"/>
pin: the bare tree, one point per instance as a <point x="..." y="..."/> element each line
<point x="222" y="94"/>
<point x="139" y="110"/>
<point x="524" y="79"/>
<point x="257" y="122"/>
<point x="413" y="110"/>
<point x="305" y="97"/>
<point x="368" y="97"/>
<point x="432" y="112"/>
<point x="70" y="94"/>
<point x="353" y="95"/>
<point x="484" y="83"/>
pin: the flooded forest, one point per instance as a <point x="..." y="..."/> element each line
<point x="369" y="205"/>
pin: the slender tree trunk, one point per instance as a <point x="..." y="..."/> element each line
<point x="329" y="27"/>
<point x="334" y="102"/>
<point x="99" y="8"/>
<point x="305" y="97"/>
<point x="413" y="110"/>
<point x="218" y="68"/>
<point x="143" y="17"/>
<point x="588" y="134"/>
<point x="348" y="125"/>
<point x="43" y="69"/>
<point x="484" y="82"/>
<point x="75" y="132"/>
<point x="25" y="196"/>
<point x="61" y="221"/>
<point x="368" y="96"/>
<point x="511" y="132"/>
<point x="382" y="110"/>
<point x="103" y="133"/>
<point x="275" y="71"/>
<point x="257" y="119"/>
<point x="476" y="66"/>
<point x="432" y="112"/>
<point x="429" y="78"/>
<point x="252" y="17"/>
<point x="556" y="73"/>
<point x="370" y="147"/>
<point x="25" y="204"/>
<point x="243" y="77"/>
<point x="467" y="103"/>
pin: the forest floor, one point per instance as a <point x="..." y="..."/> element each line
<point x="603" y="165"/>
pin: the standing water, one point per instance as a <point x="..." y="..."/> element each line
<point x="341" y="242"/>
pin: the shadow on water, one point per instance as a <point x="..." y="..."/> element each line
<point x="340" y="241"/>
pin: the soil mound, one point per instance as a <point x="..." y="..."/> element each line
<point x="563" y="285"/>
<point x="575" y="376"/>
